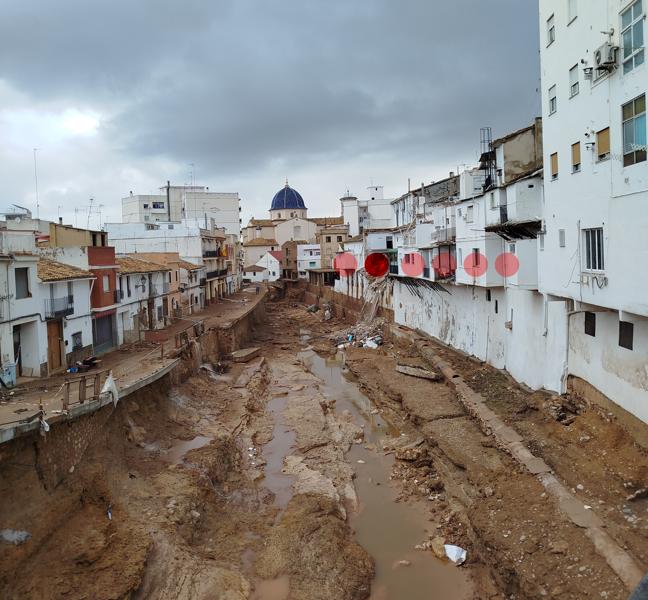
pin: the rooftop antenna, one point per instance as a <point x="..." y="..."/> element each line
<point x="89" y="211"/>
<point x="76" y="219"/>
<point x="100" y="207"/>
<point x="36" y="182"/>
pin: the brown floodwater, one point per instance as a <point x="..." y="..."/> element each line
<point x="176" y="453"/>
<point x="387" y="529"/>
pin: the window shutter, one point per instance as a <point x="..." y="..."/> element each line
<point x="576" y="154"/>
<point x="554" y="164"/>
<point x="603" y="142"/>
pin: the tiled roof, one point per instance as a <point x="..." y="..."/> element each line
<point x="50" y="270"/>
<point x="278" y="254"/>
<point x="254" y="269"/>
<point x="261" y="242"/>
<point x="130" y="264"/>
<point x="327" y="220"/>
<point x="188" y="266"/>
<point x="261" y="223"/>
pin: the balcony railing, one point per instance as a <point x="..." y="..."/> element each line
<point x="217" y="273"/>
<point x="56" y="308"/>
<point x="211" y="253"/>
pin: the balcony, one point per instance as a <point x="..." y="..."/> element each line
<point x="57" y="308"/>
<point x="215" y="274"/>
<point x="211" y="254"/>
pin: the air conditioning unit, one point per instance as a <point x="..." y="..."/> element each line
<point x="605" y="58"/>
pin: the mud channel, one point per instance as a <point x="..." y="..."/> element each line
<point x="387" y="529"/>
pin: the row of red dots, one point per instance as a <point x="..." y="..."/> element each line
<point x="475" y="264"/>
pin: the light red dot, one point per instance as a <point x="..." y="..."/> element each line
<point x="475" y="264"/>
<point x="444" y="265"/>
<point x="507" y="264"/>
<point x="376" y="264"/>
<point x="413" y="264"/>
<point x="345" y="264"/>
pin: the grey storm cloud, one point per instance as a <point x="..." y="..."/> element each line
<point x="239" y="85"/>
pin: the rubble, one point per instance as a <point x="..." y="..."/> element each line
<point x="418" y="372"/>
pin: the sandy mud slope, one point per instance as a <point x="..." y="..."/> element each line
<point x="309" y="474"/>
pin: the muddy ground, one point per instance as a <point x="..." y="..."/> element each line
<point x="265" y="483"/>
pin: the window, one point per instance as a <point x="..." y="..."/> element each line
<point x="339" y="238"/>
<point x="496" y="307"/>
<point x="632" y="36"/>
<point x="312" y="263"/>
<point x="561" y="238"/>
<point x="77" y="341"/>
<point x="590" y="324"/>
<point x="170" y="226"/>
<point x="551" y="30"/>
<point x="541" y="240"/>
<point x="328" y="239"/>
<point x="128" y="288"/>
<point x="573" y="81"/>
<point x="158" y="204"/>
<point x="145" y="205"/>
<point x="488" y="295"/>
<point x="493" y="201"/>
<point x="160" y="314"/>
<point x="593" y="241"/>
<point x="553" y="100"/>
<point x="634" y="131"/>
<point x="390" y="242"/>
<point x="476" y="257"/>
<point x="576" y="157"/>
<point x="572" y="11"/>
<point x="469" y="214"/>
<point x="603" y="144"/>
<point x="626" y="334"/>
<point x="21" y="275"/>
<point x="106" y="283"/>
<point x="554" y="165"/>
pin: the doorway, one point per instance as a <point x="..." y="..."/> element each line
<point x="54" y="338"/>
<point x="17" y="350"/>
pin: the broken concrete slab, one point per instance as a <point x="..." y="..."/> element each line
<point x="419" y="372"/>
<point x="245" y="354"/>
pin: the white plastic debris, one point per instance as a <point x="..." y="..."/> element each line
<point x="44" y="425"/>
<point x="456" y="554"/>
<point x="110" y="387"/>
<point x="371" y="344"/>
<point x="14" y="536"/>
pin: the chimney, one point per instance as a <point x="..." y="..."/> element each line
<point x="451" y="173"/>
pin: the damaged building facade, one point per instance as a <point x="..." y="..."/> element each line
<point x="534" y="249"/>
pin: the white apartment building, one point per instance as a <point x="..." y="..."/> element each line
<point x="373" y="212"/>
<point x="177" y="203"/>
<point x="209" y="247"/>
<point x="308" y="257"/>
<point x="594" y="86"/>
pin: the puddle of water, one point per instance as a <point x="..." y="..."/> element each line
<point x="274" y="452"/>
<point x="176" y="453"/>
<point x="388" y="530"/>
<point x="272" y="589"/>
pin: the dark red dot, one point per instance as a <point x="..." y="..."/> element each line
<point x="413" y="264"/>
<point x="345" y="264"/>
<point x="475" y="264"/>
<point x="376" y="264"/>
<point x="507" y="264"/>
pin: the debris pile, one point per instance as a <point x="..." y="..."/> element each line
<point x="361" y="335"/>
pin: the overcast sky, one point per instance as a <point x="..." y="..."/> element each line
<point x="333" y="94"/>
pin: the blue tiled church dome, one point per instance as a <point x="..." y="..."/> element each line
<point x="287" y="198"/>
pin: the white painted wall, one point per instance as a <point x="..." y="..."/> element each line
<point x="273" y="266"/>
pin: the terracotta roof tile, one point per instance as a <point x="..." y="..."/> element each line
<point x="130" y="264"/>
<point x="51" y="270"/>
<point x="261" y="242"/>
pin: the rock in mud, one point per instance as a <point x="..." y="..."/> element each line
<point x="327" y="563"/>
